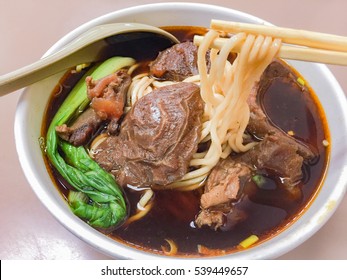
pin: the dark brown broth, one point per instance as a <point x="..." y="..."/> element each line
<point x="269" y="210"/>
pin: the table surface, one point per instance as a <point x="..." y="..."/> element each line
<point x="29" y="28"/>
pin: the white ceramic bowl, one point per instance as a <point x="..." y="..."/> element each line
<point x="33" y="102"/>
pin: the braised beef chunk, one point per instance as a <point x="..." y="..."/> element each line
<point x="216" y="218"/>
<point x="108" y="97"/>
<point x="82" y="129"/>
<point x="273" y="155"/>
<point x="210" y="218"/>
<point x="176" y="63"/>
<point x="224" y="183"/>
<point x="260" y="124"/>
<point x="277" y="155"/>
<point x="157" y="138"/>
<point x="223" y="186"/>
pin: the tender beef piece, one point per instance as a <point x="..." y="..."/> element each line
<point x="224" y="183"/>
<point x="274" y="154"/>
<point x="157" y="138"/>
<point x="223" y="186"/>
<point x="277" y="155"/>
<point x="210" y="218"/>
<point x="108" y="97"/>
<point x="82" y="129"/>
<point x="219" y="219"/>
<point x="176" y="63"/>
<point x="259" y="124"/>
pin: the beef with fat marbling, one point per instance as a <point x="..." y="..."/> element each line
<point x="157" y="138"/>
<point x="176" y="63"/>
<point x="108" y="97"/>
<point x="80" y="132"/>
<point x="275" y="154"/>
<point x="223" y="187"/>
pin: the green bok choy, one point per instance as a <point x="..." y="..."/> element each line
<point x="97" y="198"/>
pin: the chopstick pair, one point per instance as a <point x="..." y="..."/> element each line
<point x="306" y="45"/>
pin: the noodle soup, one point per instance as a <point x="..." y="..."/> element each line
<point x="169" y="221"/>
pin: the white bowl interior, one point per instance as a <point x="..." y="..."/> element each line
<point x="32" y="104"/>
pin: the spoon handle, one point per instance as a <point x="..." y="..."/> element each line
<point x="83" y="49"/>
<point x="46" y="67"/>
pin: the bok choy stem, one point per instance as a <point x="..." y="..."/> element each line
<point x="97" y="199"/>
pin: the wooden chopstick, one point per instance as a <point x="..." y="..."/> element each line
<point x="307" y="45"/>
<point x="287" y="35"/>
<point x="292" y="52"/>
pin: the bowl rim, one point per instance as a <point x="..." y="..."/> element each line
<point x="108" y="245"/>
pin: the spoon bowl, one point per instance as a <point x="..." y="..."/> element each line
<point x="86" y="48"/>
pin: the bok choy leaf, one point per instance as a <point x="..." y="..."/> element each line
<point x="97" y="198"/>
